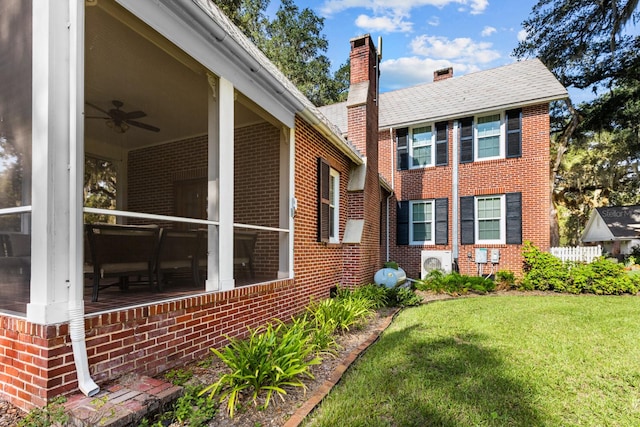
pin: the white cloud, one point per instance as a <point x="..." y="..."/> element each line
<point x="434" y="21"/>
<point x="522" y="35"/>
<point x="487" y="31"/>
<point x="411" y="71"/>
<point x="395" y="7"/>
<point x="462" y="48"/>
<point x="383" y="24"/>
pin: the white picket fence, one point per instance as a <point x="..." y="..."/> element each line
<point x="577" y="253"/>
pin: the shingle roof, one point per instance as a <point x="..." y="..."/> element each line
<point x="623" y="221"/>
<point x="514" y="85"/>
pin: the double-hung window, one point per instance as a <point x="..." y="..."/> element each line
<point x="328" y="203"/>
<point x="334" y="205"/>
<point x="490" y="219"/>
<point x="421" y="222"/>
<point x="421" y="147"/>
<point x="488" y="137"/>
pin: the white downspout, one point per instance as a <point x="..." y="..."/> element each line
<point x="393" y="188"/>
<point x="76" y="164"/>
<point x="454" y="195"/>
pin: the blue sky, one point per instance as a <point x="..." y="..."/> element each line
<point x="421" y="36"/>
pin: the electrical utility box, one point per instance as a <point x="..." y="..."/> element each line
<point x="495" y="256"/>
<point x="481" y="255"/>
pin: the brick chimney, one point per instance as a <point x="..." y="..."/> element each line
<point x="361" y="237"/>
<point x="442" y="74"/>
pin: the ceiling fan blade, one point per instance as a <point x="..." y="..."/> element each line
<point x="135" y="115"/>
<point x="97" y="117"/>
<point x="143" y="125"/>
<point x="97" y="108"/>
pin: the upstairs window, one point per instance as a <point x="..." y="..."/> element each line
<point x="488" y="131"/>
<point x="421" y="150"/>
<point x="492" y="136"/>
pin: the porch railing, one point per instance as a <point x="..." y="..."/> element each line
<point x="577" y="253"/>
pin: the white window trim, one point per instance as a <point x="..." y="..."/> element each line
<point x="432" y="143"/>
<point x="501" y="144"/>
<point x="433" y="222"/>
<point x="503" y="221"/>
<point x="334" y="233"/>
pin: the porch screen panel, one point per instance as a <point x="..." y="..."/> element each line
<point x="15" y="153"/>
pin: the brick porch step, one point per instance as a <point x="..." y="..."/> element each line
<point x="122" y="404"/>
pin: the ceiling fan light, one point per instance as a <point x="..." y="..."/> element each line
<point x="110" y="124"/>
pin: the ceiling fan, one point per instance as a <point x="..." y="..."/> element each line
<point x="120" y="120"/>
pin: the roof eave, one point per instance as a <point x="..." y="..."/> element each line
<point x="508" y="106"/>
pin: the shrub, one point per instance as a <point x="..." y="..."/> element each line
<point x="543" y="271"/>
<point x="505" y="279"/>
<point x="455" y="283"/>
<point x="402" y="297"/>
<point x="271" y="358"/>
<point x="377" y="295"/>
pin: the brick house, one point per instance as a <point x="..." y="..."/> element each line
<point x="164" y="187"/>
<point x="468" y="161"/>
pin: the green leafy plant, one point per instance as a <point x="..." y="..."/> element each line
<point x="53" y="414"/>
<point x="505" y="279"/>
<point x="274" y="356"/>
<point x="376" y="294"/>
<point x="179" y="376"/>
<point x="402" y="297"/>
<point x="345" y="311"/>
<point x="542" y="271"/>
<point x="455" y="283"/>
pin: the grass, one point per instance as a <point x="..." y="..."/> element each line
<point x="498" y="361"/>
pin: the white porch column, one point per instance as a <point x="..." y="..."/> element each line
<point x="225" y="245"/>
<point x="221" y="182"/>
<point x="287" y="202"/>
<point x="50" y="181"/>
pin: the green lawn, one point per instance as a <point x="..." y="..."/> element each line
<point x="498" y="361"/>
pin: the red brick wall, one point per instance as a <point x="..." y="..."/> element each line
<point x="37" y="361"/>
<point x="363" y="260"/>
<point x="528" y="174"/>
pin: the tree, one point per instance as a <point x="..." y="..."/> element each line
<point x="294" y="42"/>
<point x="582" y="43"/>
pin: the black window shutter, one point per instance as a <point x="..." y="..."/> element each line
<point x="442" y="142"/>
<point x="514" y="218"/>
<point x="442" y="221"/>
<point x="466" y="140"/>
<point x="467" y="220"/>
<point x="514" y="133"/>
<point x="402" y="137"/>
<point x="323" y="200"/>
<point x="402" y="223"/>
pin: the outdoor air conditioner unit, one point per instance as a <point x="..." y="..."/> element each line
<point x="435" y="260"/>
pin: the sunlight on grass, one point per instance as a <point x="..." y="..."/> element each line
<point x="498" y="361"/>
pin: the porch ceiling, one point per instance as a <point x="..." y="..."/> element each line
<point x="125" y="60"/>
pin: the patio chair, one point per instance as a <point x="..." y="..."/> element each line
<point x="176" y="255"/>
<point x="122" y="251"/>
